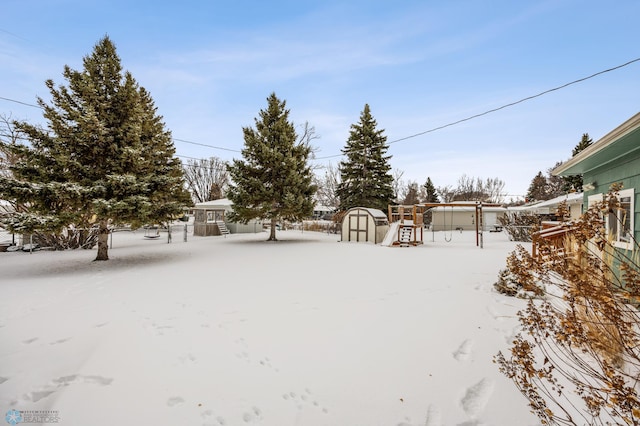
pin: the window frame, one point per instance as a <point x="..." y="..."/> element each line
<point x="623" y="235"/>
<point x="619" y="238"/>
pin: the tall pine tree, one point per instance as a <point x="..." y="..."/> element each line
<point x="538" y="189"/>
<point x="430" y="192"/>
<point x="274" y="181"/>
<point x="366" y="179"/>
<point x="574" y="183"/>
<point x="105" y="158"/>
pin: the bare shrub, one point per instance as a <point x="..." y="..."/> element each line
<point x="520" y="225"/>
<point x="514" y="280"/>
<point x="577" y="359"/>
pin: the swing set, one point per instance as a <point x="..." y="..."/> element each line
<point x="413" y="216"/>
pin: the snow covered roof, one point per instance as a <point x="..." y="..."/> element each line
<point x="321" y="208"/>
<point x="377" y="213"/>
<point x="222" y="202"/>
<point x="572" y="198"/>
<point x="471" y="208"/>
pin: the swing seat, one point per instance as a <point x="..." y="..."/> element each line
<point x="151" y="232"/>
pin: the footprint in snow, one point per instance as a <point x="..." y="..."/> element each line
<point x="476" y="398"/>
<point x="174" y="401"/>
<point x="463" y="353"/>
<point x="303" y="399"/>
<point x="55" y="384"/>
<point x="434" y="417"/>
<point x="254" y="414"/>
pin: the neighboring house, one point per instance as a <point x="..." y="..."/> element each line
<point x="458" y="217"/>
<point x="615" y="158"/>
<point x="210" y="219"/>
<point x="547" y="209"/>
<point x="322" y="212"/>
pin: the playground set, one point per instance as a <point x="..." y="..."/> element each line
<point x="407" y="222"/>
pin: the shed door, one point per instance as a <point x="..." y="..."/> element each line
<point x="358" y="227"/>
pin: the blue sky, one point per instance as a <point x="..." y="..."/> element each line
<point x="210" y="66"/>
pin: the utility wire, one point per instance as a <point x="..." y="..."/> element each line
<point x="501" y="107"/>
<point x="516" y="102"/>
<point x="208" y="146"/>
<point x="528" y="98"/>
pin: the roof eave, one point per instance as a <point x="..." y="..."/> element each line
<point x="572" y="166"/>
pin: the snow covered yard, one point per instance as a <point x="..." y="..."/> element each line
<point x="236" y="330"/>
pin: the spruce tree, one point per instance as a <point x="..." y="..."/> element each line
<point x="105" y="158"/>
<point x="575" y="182"/>
<point x="274" y="181"/>
<point x="431" y="195"/>
<point x="538" y="189"/>
<point x="413" y="194"/>
<point x="366" y="179"/>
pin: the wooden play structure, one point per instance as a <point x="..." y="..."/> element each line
<point x="410" y="225"/>
<point x="410" y="220"/>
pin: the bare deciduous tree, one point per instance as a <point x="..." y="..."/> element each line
<point x="8" y="136"/>
<point x="446" y="193"/>
<point x="207" y="179"/>
<point x="494" y="190"/>
<point x="490" y="190"/>
<point x="398" y="186"/>
<point x="327" y="185"/>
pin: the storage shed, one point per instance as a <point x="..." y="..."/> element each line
<point x="210" y="219"/>
<point x="361" y="224"/>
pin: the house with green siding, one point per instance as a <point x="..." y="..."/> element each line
<point x="615" y="158"/>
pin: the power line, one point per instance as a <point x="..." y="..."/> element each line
<point x="208" y="146"/>
<point x="20" y="102"/>
<point x="175" y="139"/>
<point x="501" y="107"/>
<point x="453" y="123"/>
<point x="516" y="102"/>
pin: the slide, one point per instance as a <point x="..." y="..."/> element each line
<point x="392" y="234"/>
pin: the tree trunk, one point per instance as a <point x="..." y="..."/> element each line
<point x="272" y="235"/>
<point x="103" y="241"/>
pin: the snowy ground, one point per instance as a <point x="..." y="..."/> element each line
<point x="237" y="331"/>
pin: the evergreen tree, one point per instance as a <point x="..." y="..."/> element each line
<point x="556" y="185"/>
<point x="105" y="159"/>
<point x="431" y="194"/>
<point x="274" y="181"/>
<point x="366" y="180"/>
<point x="413" y="194"/>
<point x="537" y="189"/>
<point x="575" y="182"/>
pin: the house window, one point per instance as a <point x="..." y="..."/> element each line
<point x="215" y="215"/>
<point x="620" y="221"/>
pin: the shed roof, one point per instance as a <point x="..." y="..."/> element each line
<point x="614" y="145"/>
<point x="222" y="202"/>
<point x="377" y="213"/>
